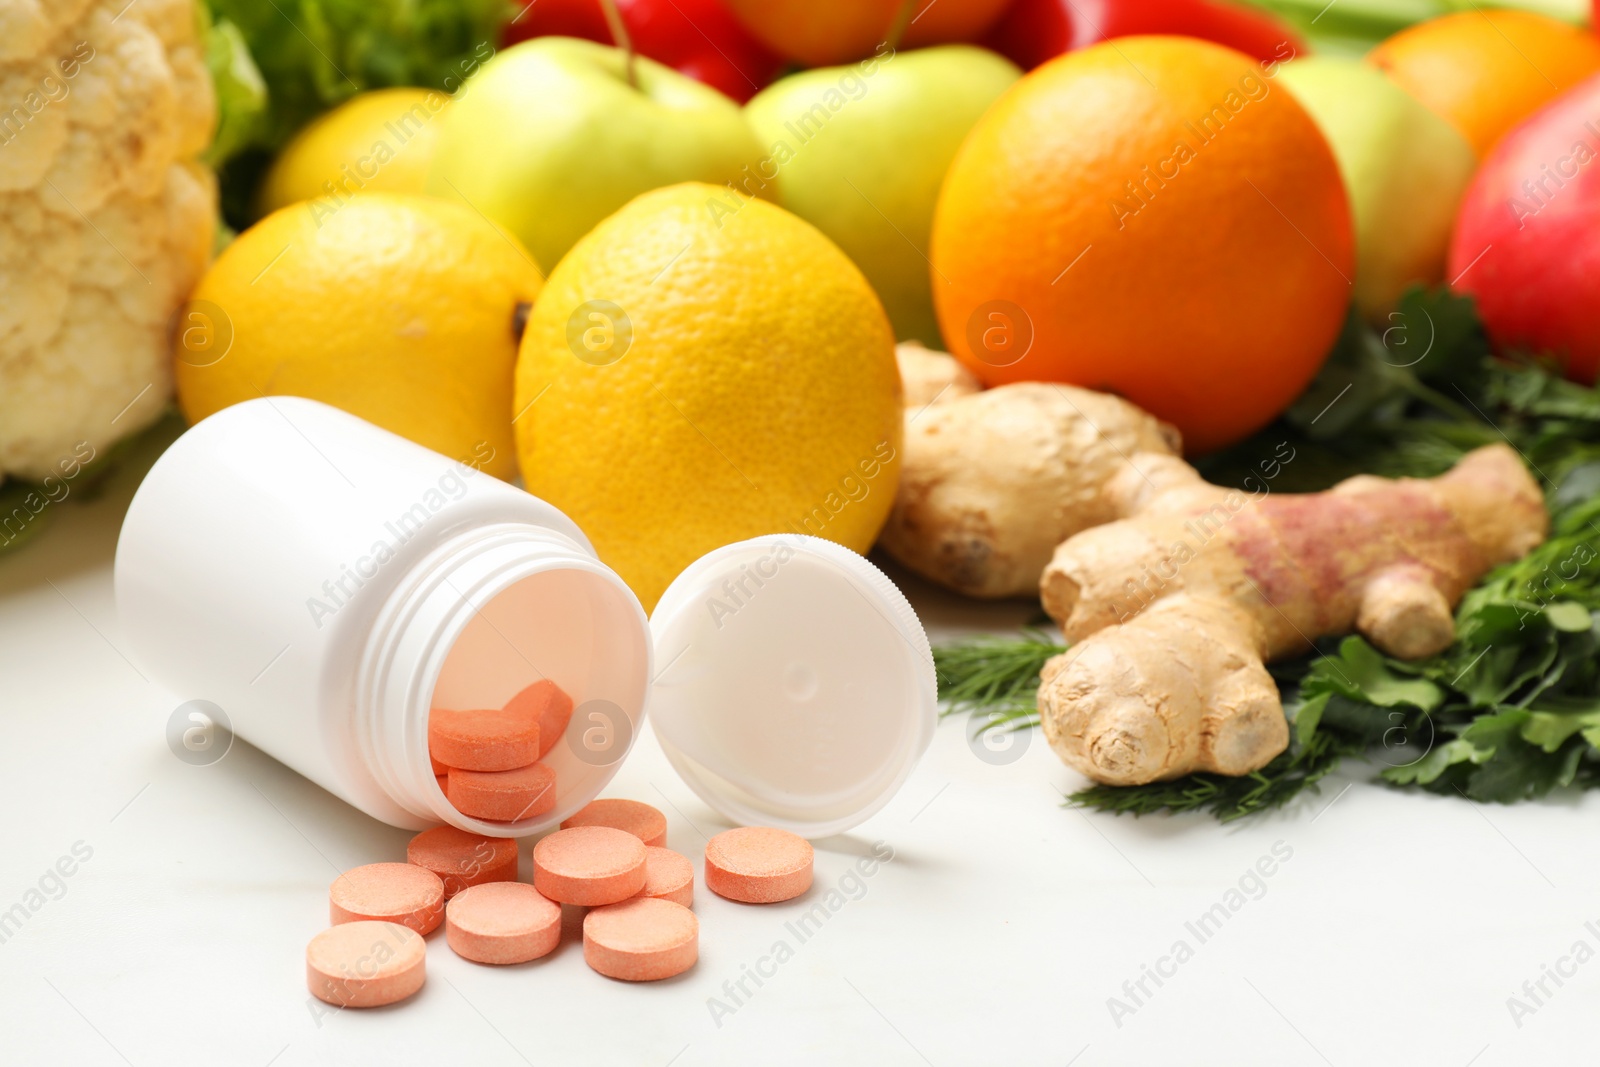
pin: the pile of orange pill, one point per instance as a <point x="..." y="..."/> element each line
<point x="610" y="858"/>
<point x="487" y="759"/>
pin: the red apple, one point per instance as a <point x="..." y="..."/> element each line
<point x="559" y="18"/>
<point x="1032" y="31"/>
<point x="1527" y="239"/>
<point x="700" y="38"/>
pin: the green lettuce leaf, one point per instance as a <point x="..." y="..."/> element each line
<point x="314" y="54"/>
<point x="280" y="64"/>
<point x="241" y="92"/>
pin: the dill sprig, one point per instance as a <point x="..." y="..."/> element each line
<point x="1290" y="773"/>
<point x="995" y="678"/>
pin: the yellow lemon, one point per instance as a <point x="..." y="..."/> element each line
<point x="400" y="309"/>
<point x="703" y="368"/>
<point x="380" y="141"/>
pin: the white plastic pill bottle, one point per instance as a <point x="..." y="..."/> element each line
<point x="326" y="583"/>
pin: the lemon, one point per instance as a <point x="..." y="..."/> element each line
<point x="399" y="309"/>
<point x="380" y="141"/>
<point x="701" y="369"/>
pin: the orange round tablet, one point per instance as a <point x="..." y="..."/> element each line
<point x="389" y="892"/>
<point x="365" y="964"/>
<point x="483" y="739"/>
<point x="502" y="922"/>
<point x="461" y="859"/>
<point x="758" y="865"/>
<point x="641" y="940"/>
<point x="548" y="703"/>
<point x="634" y="816"/>
<point x="504" y="796"/>
<point x="589" y="865"/>
<point x="668" y="875"/>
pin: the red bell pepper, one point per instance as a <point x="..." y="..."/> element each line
<point x="700" y="38"/>
<point x="1033" y="31"/>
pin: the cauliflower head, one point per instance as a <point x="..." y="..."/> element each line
<point x="106" y="217"/>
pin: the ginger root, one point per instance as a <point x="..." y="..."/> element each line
<point x="1173" y="610"/>
<point x="929" y="377"/>
<point x="991" y="482"/>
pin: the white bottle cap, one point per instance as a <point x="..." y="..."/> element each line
<point x="794" y="685"/>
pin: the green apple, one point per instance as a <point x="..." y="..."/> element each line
<point x="860" y="151"/>
<point x="548" y="138"/>
<point x="1405" y="170"/>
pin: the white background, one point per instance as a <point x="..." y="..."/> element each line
<point x="1395" y="932"/>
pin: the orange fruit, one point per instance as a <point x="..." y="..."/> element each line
<point x="946" y="21"/>
<point x="821" y="33"/>
<point x="1151" y="217"/>
<point x="818" y="33"/>
<point x="1486" y="71"/>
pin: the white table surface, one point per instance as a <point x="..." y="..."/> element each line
<point x="1395" y="932"/>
